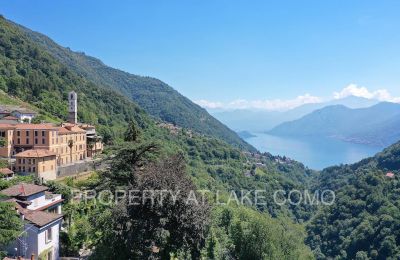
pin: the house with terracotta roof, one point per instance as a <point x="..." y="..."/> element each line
<point x="40" y="211"/>
<point x="40" y="162"/>
<point x="6" y="174"/>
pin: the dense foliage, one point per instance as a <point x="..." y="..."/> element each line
<point x="30" y="73"/>
<point x="364" y="222"/>
<point x="10" y="223"/>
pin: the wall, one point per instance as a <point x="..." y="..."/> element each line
<point x="42" y="246"/>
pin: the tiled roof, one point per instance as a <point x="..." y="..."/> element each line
<point x="35" y="126"/>
<point x="40" y="218"/>
<point x="35" y="153"/>
<point x="6" y="126"/>
<point x="5" y="171"/>
<point x="23" y="190"/>
<point x="67" y="128"/>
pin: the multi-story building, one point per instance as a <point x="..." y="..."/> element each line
<point x="40" y="162"/>
<point x="40" y="211"/>
<point x="65" y="144"/>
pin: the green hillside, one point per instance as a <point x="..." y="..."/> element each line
<point x="364" y="222"/>
<point x="154" y="96"/>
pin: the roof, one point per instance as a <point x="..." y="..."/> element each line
<point x="36" y="153"/>
<point x="67" y="128"/>
<point x="40" y="218"/>
<point x="390" y="174"/>
<point x="6" y="126"/>
<point x="10" y="118"/>
<point x="23" y="190"/>
<point x="6" y="171"/>
<point x="24" y="111"/>
<point x="35" y="126"/>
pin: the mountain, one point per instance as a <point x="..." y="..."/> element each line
<point x="375" y="125"/>
<point x="364" y="220"/>
<point x="154" y="96"/>
<point x="261" y="121"/>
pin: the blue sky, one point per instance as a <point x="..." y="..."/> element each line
<point x="229" y="52"/>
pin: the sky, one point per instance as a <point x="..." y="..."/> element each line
<point x="235" y="54"/>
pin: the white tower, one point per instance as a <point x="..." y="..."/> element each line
<point x="73" y="107"/>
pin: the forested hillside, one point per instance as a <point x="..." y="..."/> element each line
<point x="29" y="74"/>
<point x="154" y="96"/>
<point x="364" y="222"/>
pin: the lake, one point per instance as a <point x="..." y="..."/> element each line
<point x="316" y="153"/>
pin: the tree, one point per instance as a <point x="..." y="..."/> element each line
<point x="132" y="132"/>
<point x="10" y="223"/>
<point x="164" y="225"/>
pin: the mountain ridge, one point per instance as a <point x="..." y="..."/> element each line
<point x="154" y="96"/>
<point x="361" y="125"/>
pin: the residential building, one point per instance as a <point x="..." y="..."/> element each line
<point x="41" y="212"/>
<point x="24" y="115"/>
<point x="6" y="174"/>
<point x="40" y="162"/>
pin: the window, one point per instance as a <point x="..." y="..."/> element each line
<point x="23" y="161"/>
<point x="27" y="132"/>
<point x="18" y="133"/>
<point x="43" y="133"/>
<point x="43" y="141"/>
<point x="49" y="235"/>
<point x="18" y="141"/>
<point x="36" y="141"/>
<point x="19" y="161"/>
<point x="27" y="140"/>
<point x="33" y="169"/>
<point x="33" y="161"/>
<point x="36" y="133"/>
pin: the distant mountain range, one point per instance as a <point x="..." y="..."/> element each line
<point x="376" y="125"/>
<point x="260" y="121"/>
<point x="156" y="97"/>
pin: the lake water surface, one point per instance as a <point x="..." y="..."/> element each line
<point x="316" y="153"/>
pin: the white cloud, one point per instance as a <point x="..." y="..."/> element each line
<point x="354" y="90"/>
<point x="273" y="105"/>
<point x="286" y="104"/>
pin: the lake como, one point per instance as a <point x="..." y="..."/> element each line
<point x="316" y="153"/>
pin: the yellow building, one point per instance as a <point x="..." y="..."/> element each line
<point x="71" y="144"/>
<point x="7" y="137"/>
<point x="40" y="162"/>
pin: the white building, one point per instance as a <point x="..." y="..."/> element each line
<point x="41" y="212"/>
<point x="24" y="115"/>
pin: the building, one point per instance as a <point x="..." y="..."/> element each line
<point x="42" y="163"/>
<point x="94" y="142"/>
<point x="68" y="143"/>
<point x="23" y="115"/>
<point x="41" y="212"/>
<point x="6" y="174"/>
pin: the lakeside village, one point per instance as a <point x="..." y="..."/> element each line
<point x="48" y="152"/>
